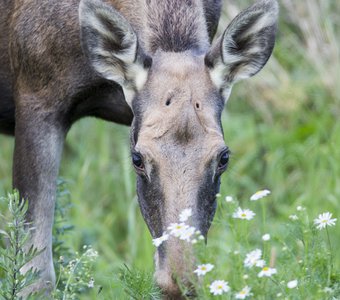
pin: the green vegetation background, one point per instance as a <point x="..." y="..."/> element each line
<point x="283" y="129"/>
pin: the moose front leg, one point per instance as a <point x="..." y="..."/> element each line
<point x="39" y="137"/>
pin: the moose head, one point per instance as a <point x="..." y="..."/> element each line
<point x="176" y="84"/>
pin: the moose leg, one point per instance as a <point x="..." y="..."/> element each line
<point x="39" y="139"/>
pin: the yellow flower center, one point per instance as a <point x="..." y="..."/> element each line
<point x="243" y="292"/>
<point x="265" y="269"/>
<point x="219" y="287"/>
<point x="203" y="268"/>
<point x="243" y="215"/>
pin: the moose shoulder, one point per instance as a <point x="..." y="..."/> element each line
<point x="146" y="63"/>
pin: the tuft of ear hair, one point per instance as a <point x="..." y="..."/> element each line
<point x="111" y="45"/>
<point x="245" y="46"/>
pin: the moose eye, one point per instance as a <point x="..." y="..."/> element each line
<point x="224" y="159"/>
<point x="137" y="161"/>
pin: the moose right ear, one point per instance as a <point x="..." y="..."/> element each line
<point x="111" y="46"/>
<point x="245" y="45"/>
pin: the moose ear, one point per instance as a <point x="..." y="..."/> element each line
<point x="245" y="46"/>
<point x="111" y="45"/>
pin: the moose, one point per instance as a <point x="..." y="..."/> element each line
<point x="150" y="64"/>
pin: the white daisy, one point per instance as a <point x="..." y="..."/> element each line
<point x="158" y="241"/>
<point x="203" y="269"/>
<point x="267" y="272"/>
<point x="176" y="229"/>
<point x="244" y="293"/>
<point x="260" y="263"/>
<point x="266" y="237"/>
<point x="293" y="217"/>
<point x="252" y="258"/>
<point x="292" y="284"/>
<point x="185" y="215"/>
<point x="244" y="214"/>
<point x="259" y="194"/>
<point x="324" y="220"/>
<point x="187" y="233"/>
<point x="229" y="199"/>
<point x="218" y="287"/>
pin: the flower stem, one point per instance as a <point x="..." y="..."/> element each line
<point x="330" y="258"/>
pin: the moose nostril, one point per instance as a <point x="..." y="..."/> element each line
<point x="198" y="106"/>
<point x="168" y="102"/>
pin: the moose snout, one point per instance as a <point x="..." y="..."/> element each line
<point x="174" y="268"/>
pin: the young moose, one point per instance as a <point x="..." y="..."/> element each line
<point x="148" y="63"/>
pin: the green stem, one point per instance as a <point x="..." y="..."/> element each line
<point x="70" y="277"/>
<point x="330" y="258"/>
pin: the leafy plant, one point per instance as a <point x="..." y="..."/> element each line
<point x="14" y="256"/>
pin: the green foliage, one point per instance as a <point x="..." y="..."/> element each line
<point x="14" y="256"/>
<point x="139" y="284"/>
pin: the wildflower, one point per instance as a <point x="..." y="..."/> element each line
<point x="266" y="237"/>
<point x="245" y="276"/>
<point x="218" y="287"/>
<point x="259" y="194"/>
<point x="185" y="214"/>
<point x="244" y="293"/>
<point x="229" y="199"/>
<point x="324" y="220"/>
<point x="158" y="241"/>
<point x="176" y="229"/>
<point x="91" y="253"/>
<point x="292" y="284"/>
<point x="244" y="214"/>
<point x="203" y="269"/>
<point x="300" y="208"/>
<point x="218" y="195"/>
<point x="187" y="233"/>
<point x="91" y="283"/>
<point x="293" y="217"/>
<point x="253" y="258"/>
<point x="267" y="272"/>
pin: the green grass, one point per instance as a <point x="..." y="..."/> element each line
<point x="284" y="132"/>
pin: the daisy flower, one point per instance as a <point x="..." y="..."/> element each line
<point x="218" y="287"/>
<point x="244" y="214"/>
<point x="244" y="293"/>
<point x="185" y="215"/>
<point x="187" y="233"/>
<point x="267" y="272"/>
<point x="324" y="220"/>
<point x="176" y="229"/>
<point x="266" y="237"/>
<point x="259" y="194"/>
<point x="203" y="269"/>
<point x="292" y="284"/>
<point x="158" y="241"/>
<point x="229" y="199"/>
<point x="253" y="258"/>
<point x="293" y="217"/>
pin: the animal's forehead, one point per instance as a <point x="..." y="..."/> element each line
<point x="180" y="104"/>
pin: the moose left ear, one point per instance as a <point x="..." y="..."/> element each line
<point x="245" y="46"/>
<point x="111" y="45"/>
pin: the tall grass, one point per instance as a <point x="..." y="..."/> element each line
<point x="282" y="126"/>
